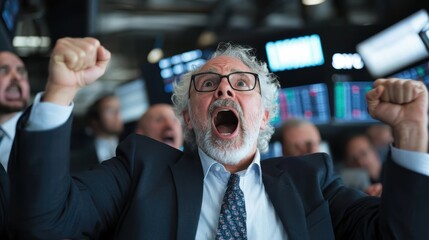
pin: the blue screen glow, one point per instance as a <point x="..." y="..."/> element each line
<point x="294" y="53"/>
<point x="308" y="102"/>
<point x="172" y="68"/>
<point x="350" y="101"/>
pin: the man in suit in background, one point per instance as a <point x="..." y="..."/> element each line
<point x="381" y="137"/>
<point x="104" y="125"/>
<point x="160" y="123"/>
<point x="4" y="202"/>
<point x="360" y="154"/>
<point x="220" y="188"/>
<point x="14" y="97"/>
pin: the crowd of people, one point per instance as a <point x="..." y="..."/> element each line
<point x="192" y="170"/>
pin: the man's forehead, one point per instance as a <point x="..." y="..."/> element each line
<point x="224" y="63"/>
<point x="161" y="109"/>
<point x="358" y="141"/>
<point x="110" y="102"/>
<point x="303" y="129"/>
<point x="7" y="58"/>
<point x="109" y="99"/>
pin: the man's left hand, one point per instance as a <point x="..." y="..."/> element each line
<point x="402" y="104"/>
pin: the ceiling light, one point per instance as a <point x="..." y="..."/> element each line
<point x="155" y="55"/>
<point x="312" y="2"/>
<point x="31" y="41"/>
<point x="207" y="38"/>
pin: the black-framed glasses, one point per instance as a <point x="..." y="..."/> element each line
<point x="209" y="81"/>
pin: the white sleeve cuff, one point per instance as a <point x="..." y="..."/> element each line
<point x="414" y="161"/>
<point x="46" y="116"/>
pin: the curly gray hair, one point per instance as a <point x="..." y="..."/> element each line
<point x="268" y="82"/>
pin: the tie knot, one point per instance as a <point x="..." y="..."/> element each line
<point x="234" y="179"/>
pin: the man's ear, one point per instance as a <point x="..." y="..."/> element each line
<point x="265" y="119"/>
<point x="187" y="119"/>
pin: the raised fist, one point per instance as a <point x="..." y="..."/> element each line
<point x="402" y="104"/>
<point x="74" y="63"/>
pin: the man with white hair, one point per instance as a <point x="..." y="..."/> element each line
<point x="219" y="189"/>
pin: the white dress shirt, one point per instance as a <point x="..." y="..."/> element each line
<point x="105" y="147"/>
<point x="262" y="221"/>
<point x="8" y="135"/>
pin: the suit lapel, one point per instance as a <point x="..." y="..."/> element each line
<point x="286" y="202"/>
<point x="188" y="177"/>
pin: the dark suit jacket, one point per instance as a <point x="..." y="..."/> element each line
<point x="83" y="158"/>
<point x="152" y="191"/>
<point x="4" y="202"/>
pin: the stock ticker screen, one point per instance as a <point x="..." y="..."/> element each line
<point x="309" y="102"/>
<point x="350" y="102"/>
<point x="172" y="68"/>
<point x="419" y="72"/>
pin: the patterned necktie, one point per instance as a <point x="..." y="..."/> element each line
<point x="232" y="219"/>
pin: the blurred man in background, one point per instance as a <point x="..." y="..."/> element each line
<point x="14" y="97"/>
<point x="381" y="137"/>
<point x="105" y="125"/>
<point x="160" y="123"/>
<point x="300" y="137"/>
<point x="360" y="153"/>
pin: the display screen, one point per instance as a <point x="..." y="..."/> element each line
<point x="350" y="101"/>
<point x="419" y="72"/>
<point x="294" y="53"/>
<point x="274" y="150"/>
<point x="9" y="13"/>
<point x="172" y="68"/>
<point x="133" y="98"/>
<point x="308" y="102"/>
<point x="395" y="47"/>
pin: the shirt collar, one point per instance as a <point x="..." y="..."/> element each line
<point x="208" y="163"/>
<point x="10" y="125"/>
<point x="111" y="141"/>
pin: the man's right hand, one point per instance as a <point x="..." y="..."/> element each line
<point x="74" y="63"/>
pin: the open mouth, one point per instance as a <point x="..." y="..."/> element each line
<point x="13" y="92"/>
<point x="226" y="122"/>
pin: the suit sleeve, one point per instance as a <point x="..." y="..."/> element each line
<point x="46" y="202"/>
<point x="4" y="202"/>
<point x="400" y="213"/>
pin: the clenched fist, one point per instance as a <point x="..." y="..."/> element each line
<point x="74" y="63"/>
<point x="402" y="104"/>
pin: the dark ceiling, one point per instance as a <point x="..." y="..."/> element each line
<point x="177" y="20"/>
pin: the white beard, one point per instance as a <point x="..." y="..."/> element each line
<point x="229" y="152"/>
<point x="223" y="152"/>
